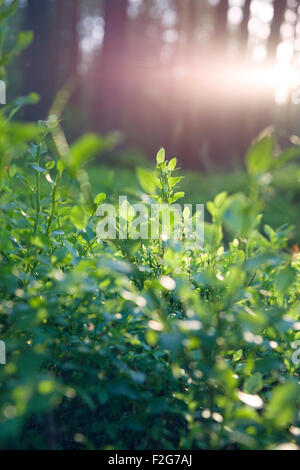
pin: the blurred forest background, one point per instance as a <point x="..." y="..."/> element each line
<point x="199" y="77"/>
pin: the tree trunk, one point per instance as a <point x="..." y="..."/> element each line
<point x="110" y="69"/>
<point x="189" y="136"/>
<point x="274" y="38"/>
<point x="220" y="36"/>
<point x="244" y="33"/>
<point x="66" y="40"/>
<point x="37" y="63"/>
<point x="220" y="115"/>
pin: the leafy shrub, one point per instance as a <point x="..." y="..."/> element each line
<point x="102" y="351"/>
<point x="140" y="345"/>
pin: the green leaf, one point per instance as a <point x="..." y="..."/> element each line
<point x="174" y="180"/>
<point x="220" y="199"/>
<point x="13" y="170"/>
<point x="211" y="208"/>
<point x="259" y="157"/>
<point x="281" y="407"/>
<point x="172" y="164"/>
<point x="186" y="213"/>
<point x="254" y="383"/>
<point x="147" y="180"/>
<point x="78" y="217"/>
<point x="241" y="215"/>
<point x="286" y="156"/>
<point x="6" y="58"/>
<point x="24" y="40"/>
<point x="100" y="198"/>
<point x="237" y="355"/>
<point x="6" y="13"/>
<point x="50" y="165"/>
<point x="177" y="196"/>
<point x="284" y="280"/>
<point x="161" y="156"/>
<point x="83" y="150"/>
<point x="60" y="166"/>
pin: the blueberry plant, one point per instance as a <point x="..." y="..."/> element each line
<point x="140" y="344"/>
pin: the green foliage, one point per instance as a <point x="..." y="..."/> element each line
<point x="22" y="41"/>
<point x="141" y="345"/>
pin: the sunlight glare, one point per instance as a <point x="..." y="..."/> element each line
<point x="285" y="52"/>
<point x="235" y="15"/>
<point x="259" y="53"/>
<point x="285" y="80"/>
<point x="262" y="10"/>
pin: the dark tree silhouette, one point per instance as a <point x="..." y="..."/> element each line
<point x="280" y="7"/>
<point x="220" y="37"/>
<point x="190" y="126"/>
<point x="37" y="64"/>
<point x="244" y="33"/>
<point x="65" y="50"/>
<point x="54" y="54"/>
<point x="110" y="67"/>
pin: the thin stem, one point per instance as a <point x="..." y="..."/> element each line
<point x="37" y="180"/>
<point x="53" y="202"/>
